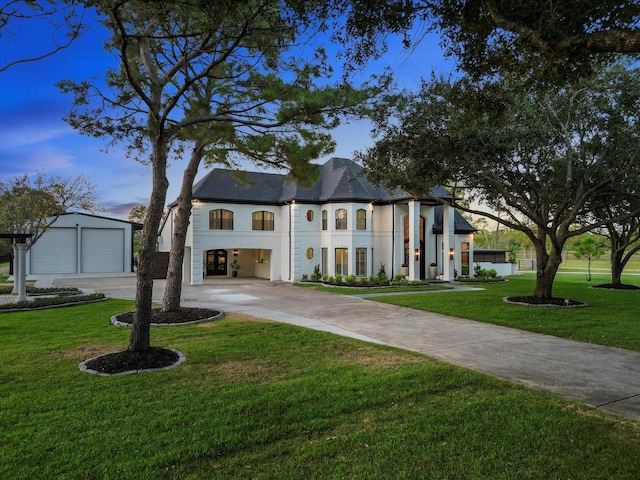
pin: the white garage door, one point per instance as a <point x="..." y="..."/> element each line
<point x="55" y="252"/>
<point x="102" y="250"/>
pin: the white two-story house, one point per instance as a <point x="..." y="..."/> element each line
<point x="265" y="226"/>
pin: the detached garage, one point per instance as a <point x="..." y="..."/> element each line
<point x="82" y="243"/>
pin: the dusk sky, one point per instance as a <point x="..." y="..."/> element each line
<point x="33" y="136"/>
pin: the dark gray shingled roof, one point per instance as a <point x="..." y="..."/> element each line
<point x="460" y="224"/>
<point x="340" y="179"/>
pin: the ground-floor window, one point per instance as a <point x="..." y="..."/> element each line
<point x="361" y="262"/>
<point x="342" y="261"/>
<point x="325" y="261"/>
<point x="464" y="258"/>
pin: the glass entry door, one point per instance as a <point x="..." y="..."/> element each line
<point x="216" y="262"/>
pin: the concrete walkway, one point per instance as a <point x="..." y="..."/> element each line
<point x="604" y="377"/>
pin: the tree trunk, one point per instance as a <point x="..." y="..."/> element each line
<point x="548" y="264"/>
<point x="139" y="340"/>
<point x="617" y="266"/>
<point x="173" y="288"/>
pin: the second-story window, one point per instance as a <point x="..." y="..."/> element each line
<point x="262" y="220"/>
<point x="361" y="219"/>
<point x="220" y="219"/>
<point x="341" y="219"/>
<point x="324" y="220"/>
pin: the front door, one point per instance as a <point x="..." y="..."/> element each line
<point x="216" y="262"/>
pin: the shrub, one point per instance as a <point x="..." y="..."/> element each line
<point x="45" y="291"/>
<point x="350" y="280"/>
<point x="325" y="278"/>
<point x="399" y="280"/>
<point x="382" y="276"/>
<point x="338" y="279"/>
<point x="52" y="301"/>
<point x="482" y="273"/>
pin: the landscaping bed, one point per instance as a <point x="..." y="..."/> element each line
<point x="183" y="317"/>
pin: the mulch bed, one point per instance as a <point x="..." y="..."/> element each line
<point x="616" y="286"/>
<point x="185" y="315"/>
<point x="126" y="361"/>
<point x="156" y="357"/>
<point x="545" y="302"/>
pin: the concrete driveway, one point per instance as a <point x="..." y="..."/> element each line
<point x="604" y="377"/>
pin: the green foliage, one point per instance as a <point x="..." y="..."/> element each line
<point x="138" y="213"/>
<point x="484" y="273"/>
<point x="545" y="43"/>
<point x="350" y="280"/>
<point x="226" y="77"/>
<point x="46" y="291"/>
<point x="56" y="301"/>
<point x="588" y="249"/>
<point x="315" y="276"/>
<point x="496" y="142"/>
<point x="382" y="277"/>
<point x="30" y="203"/>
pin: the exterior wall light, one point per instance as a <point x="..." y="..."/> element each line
<point x="417" y="254"/>
<point x="235" y="253"/>
<point x="451" y="253"/>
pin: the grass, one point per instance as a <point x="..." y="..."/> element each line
<point x="264" y="400"/>
<point x="612" y="318"/>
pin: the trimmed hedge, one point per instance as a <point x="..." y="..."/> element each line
<point x="52" y="301"/>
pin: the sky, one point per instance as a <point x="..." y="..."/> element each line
<point x="34" y="136"/>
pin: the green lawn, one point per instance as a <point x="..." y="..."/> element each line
<point x="612" y="318"/>
<point x="264" y="400"/>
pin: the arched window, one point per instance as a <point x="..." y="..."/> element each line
<point x="220" y="219"/>
<point x="309" y="215"/>
<point x="310" y="253"/>
<point x="324" y="220"/>
<point x="361" y="219"/>
<point x="262" y="220"/>
<point x="341" y="219"/>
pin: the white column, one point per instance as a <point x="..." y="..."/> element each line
<point x="20" y="271"/>
<point x="197" y="255"/>
<point x="414" y="240"/>
<point x="17" y="269"/>
<point x="448" y="243"/>
<point x="295" y="244"/>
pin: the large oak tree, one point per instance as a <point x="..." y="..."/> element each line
<point x="489" y="36"/>
<point x="539" y="158"/>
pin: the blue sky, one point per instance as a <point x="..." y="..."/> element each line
<point x="33" y="136"/>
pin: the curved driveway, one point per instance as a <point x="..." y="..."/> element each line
<point x="604" y="377"/>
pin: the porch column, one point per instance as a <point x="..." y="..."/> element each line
<point x="295" y="244"/>
<point x="20" y="271"/>
<point x="414" y="240"/>
<point x="198" y="210"/>
<point x="448" y="243"/>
